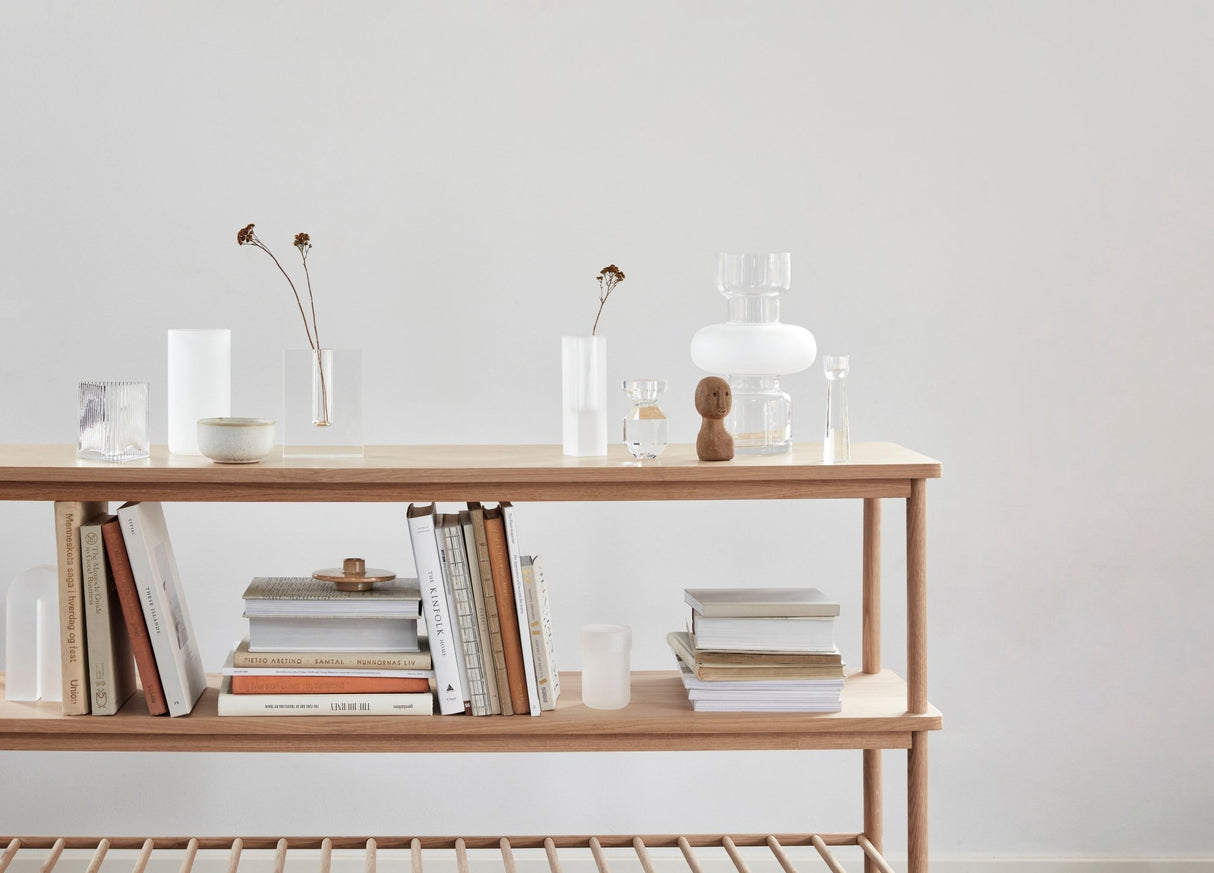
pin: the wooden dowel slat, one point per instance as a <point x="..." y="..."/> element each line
<point x="835" y="866"/>
<point x="554" y="863"/>
<point x="643" y="855"/>
<point x="689" y="856"/>
<point x="234" y="855"/>
<point x="191" y="851"/>
<point x="778" y="851"/>
<point x="145" y="853"/>
<point x="280" y="856"/>
<point x="874" y="855"/>
<point x="415" y="855"/>
<point x="600" y="861"/>
<point x="371" y="856"/>
<point x="98" y="856"/>
<point x="326" y="855"/>
<point x="461" y="856"/>
<point x="9" y="853"/>
<point x="507" y="855"/>
<point x="734" y="854"/>
<point x="52" y="857"/>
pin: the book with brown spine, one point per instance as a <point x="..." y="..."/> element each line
<point x="111" y="665"/>
<point x="492" y="617"/>
<point x="132" y="613"/>
<point x="69" y="516"/>
<point x="503" y="587"/>
<point x="322" y="684"/>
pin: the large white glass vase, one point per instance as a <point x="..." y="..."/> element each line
<point x="584" y="395"/>
<point x="753" y="348"/>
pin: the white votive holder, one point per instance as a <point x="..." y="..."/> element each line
<point x="606" y="667"/>
<point x="113" y="421"/>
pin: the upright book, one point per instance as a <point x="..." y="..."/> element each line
<point x="503" y="586"/>
<point x="493" y="704"/>
<point x="132" y="613"/>
<point x="455" y="560"/>
<point x="436" y="609"/>
<point x="547" y="679"/>
<point x="509" y="521"/>
<point x="480" y="548"/>
<point x="69" y="516"/>
<point x="111" y="664"/>
<point x="164" y="604"/>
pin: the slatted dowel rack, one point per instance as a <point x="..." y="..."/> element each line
<point x="234" y="848"/>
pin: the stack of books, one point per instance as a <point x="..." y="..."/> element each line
<point x="122" y="605"/>
<point x="315" y="650"/>
<point x="760" y="650"/>
<point x="488" y="621"/>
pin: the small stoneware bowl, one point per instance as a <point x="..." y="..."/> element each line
<point x="235" y="440"/>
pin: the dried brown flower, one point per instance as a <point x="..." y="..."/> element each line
<point x="245" y="235"/>
<point x="608" y="278"/>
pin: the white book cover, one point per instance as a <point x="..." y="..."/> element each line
<point x="461" y="660"/>
<point x="493" y="702"/>
<point x="791" y="634"/>
<point x="110" y="661"/>
<point x="547" y="679"/>
<point x="520" y="602"/>
<point x="756" y="602"/>
<point x="456" y="562"/>
<point x="436" y="608"/>
<point x="162" y="597"/>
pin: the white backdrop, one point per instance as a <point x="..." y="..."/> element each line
<point x="1002" y="211"/>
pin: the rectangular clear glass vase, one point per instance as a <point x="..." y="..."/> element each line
<point x="322" y="403"/>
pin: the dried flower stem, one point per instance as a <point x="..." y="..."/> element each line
<point x="608" y="278"/>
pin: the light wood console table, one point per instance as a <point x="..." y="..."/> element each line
<point x="880" y="709"/>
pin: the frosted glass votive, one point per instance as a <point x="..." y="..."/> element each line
<point x="606" y="666"/>
<point x="199" y="383"/>
<point x="113" y="421"/>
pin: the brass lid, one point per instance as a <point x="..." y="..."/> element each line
<point x="354" y="575"/>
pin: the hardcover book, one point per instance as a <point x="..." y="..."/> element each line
<point x="321" y="684"/>
<point x="361" y="660"/>
<point x="503" y="586"/>
<point x="162" y="597"/>
<point x="547" y="679"/>
<point x="303" y="596"/>
<point x="758" y="669"/>
<point x="111" y="664"/>
<point x="69" y="515"/>
<point x="229" y="704"/>
<point x="437" y="610"/>
<point x="132" y="613"/>
<point x="760" y="602"/>
<point x="455" y="560"/>
<point x="509" y="522"/>
<point x="477" y="515"/>
<point x="789" y="634"/>
<point x="493" y="704"/>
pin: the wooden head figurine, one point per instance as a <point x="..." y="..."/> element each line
<point x="713" y="402"/>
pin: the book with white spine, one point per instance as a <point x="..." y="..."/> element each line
<point x="480" y="609"/>
<point x="178" y="659"/>
<point x="547" y="679"/>
<point x="456" y="561"/>
<point x="442" y="641"/>
<point x="520" y="603"/>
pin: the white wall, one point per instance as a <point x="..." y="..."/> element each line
<point x="1002" y="211"/>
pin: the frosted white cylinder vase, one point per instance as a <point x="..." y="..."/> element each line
<point x="31" y="636"/>
<point x="606" y="665"/>
<point x="199" y="383"/>
<point x="584" y="395"/>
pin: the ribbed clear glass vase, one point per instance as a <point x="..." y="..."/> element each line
<point x="113" y="419"/>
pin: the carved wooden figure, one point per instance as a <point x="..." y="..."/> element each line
<point x="713" y="402"/>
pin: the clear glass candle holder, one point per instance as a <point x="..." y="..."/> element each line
<point x="645" y="425"/>
<point x="113" y="421"/>
<point x="836" y="443"/>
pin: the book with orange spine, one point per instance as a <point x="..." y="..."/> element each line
<point x="503" y="588"/>
<point x="320" y="684"/>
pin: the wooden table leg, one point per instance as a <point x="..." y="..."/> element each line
<point x="872" y="804"/>
<point x="916" y="597"/>
<point x="871" y="644"/>
<point x="916" y="803"/>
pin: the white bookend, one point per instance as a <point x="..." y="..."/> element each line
<point x="520" y="603"/>
<point x="439" y="628"/>
<point x="456" y="561"/>
<point x="493" y="701"/>
<point x="547" y="681"/>
<point x="154" y="567"/>
<point x="111" y="664"/>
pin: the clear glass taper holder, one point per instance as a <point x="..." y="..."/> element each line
<point x="836" y="447"/>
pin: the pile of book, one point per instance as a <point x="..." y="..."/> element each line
<point x="488" y="622"/>
<point x="760" y="650"/>
<point x="121" y="605"/>
<point x="315" y="650"/>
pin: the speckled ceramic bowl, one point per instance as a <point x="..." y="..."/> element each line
<point x="235" y="440"/>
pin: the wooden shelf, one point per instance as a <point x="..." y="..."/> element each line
<point x="489" y="473"/>
<point x="659" y="718"/>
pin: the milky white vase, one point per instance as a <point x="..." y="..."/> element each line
<point x="584" y="395"/>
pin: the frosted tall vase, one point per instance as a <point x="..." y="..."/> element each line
<point x="31" y="637"/>
<point x="199" y="383"/>
<point x="584" y="395"/>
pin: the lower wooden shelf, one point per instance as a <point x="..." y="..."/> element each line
<point x="659" y="718"/>
<point x="202" y="854"/>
